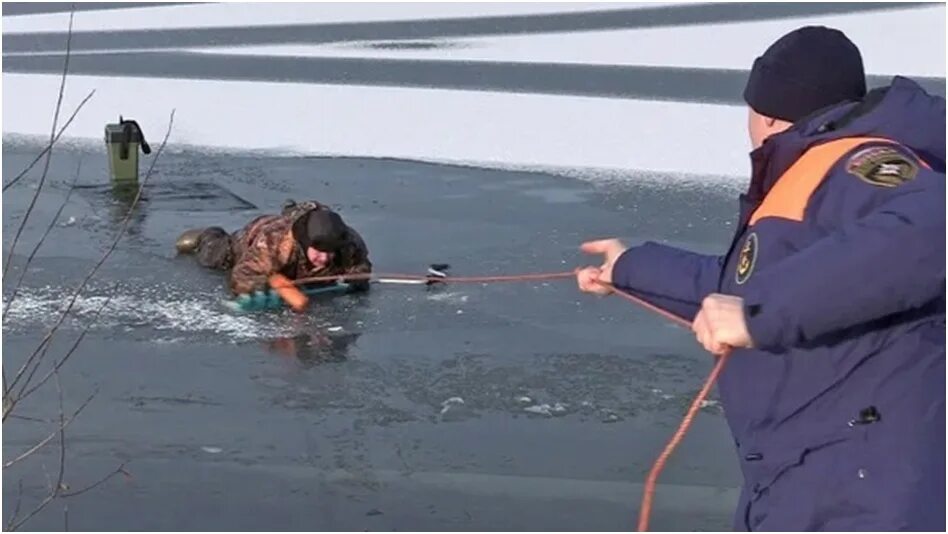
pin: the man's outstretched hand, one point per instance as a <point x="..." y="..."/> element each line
<point x="720" y="324"/>
<point x="598" y="280"/>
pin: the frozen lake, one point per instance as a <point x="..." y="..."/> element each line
<point x="493" y="137"/>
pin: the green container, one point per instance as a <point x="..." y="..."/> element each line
<point x="123" y="141"/>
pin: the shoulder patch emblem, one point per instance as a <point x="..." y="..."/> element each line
<point x="882" y="166"/>
<point x="746" y="259"/>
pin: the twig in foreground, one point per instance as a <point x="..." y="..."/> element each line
<point x="24" y="393"/>
<point x="16" y="508"/>
<point x="32" y="450"/>
<point x="52" y="224"/>
<point x="44" y="344"/>
<point x="49" y="153"/>
<point x="120" y="470"/>
<point x="49" y="146"/>
<point x="56" y="489"/>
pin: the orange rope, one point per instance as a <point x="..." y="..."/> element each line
<point x="680" y="321"/>
<point x="648" y="492"/>
<point x="651" y="482"/>
<point x="451" y="279"/>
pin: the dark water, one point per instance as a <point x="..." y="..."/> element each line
<point x="338" y="419"/>
<point x="718" y="86"/>
<point x="613" y="19"/>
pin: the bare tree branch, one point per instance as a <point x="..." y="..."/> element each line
<point x="120" y="470"/>
<point x="52" y="224"/>
<point x="35" y="360"/>
<point x="49" y="146"/>
<point x="32" y="450"/>
<point x="31" y="419"/>
<point x="45" y="343"/>
<point x="57" y="489"/>
<point x="62" y="437"/>
<point x="39" y="508"/>
<point x="16" y="508"/>
<point x="56" y="493"/>
<point x="29" y="452"/>
<point x="7" y="402"/>
<point x="49" y="153"/>
<point x="24" y="394"/>
<point x="53" y="492"/>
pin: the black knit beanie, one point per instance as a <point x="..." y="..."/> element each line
<point x="321" y="229"/>
<point x="806" y="70"/>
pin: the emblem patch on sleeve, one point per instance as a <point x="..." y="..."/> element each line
<point x="882" y="166"/>
<point x="746" y="259"/>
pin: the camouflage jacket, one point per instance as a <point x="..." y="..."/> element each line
<point x="266" y="246"/>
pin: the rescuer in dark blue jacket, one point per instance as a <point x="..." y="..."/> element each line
<point x="831" y="297"/>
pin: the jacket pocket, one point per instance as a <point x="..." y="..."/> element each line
<point x="808" y="487"/>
